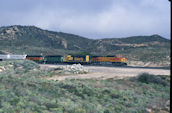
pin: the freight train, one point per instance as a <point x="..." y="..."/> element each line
<point x="116" y="60"/>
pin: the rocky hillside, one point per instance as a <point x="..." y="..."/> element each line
<point x="32" y="40"/>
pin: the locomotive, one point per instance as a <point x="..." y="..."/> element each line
<point x="116" y="60"/>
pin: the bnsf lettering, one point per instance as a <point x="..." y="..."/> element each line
<point x="78" y="59"/>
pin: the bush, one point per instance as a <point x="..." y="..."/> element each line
<point x="26" y="92"/>
<point x="149" y="78"/>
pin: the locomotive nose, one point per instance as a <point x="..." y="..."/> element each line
<point x="124" y="59"/>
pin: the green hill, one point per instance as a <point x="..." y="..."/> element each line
<point x="32" y="40"/>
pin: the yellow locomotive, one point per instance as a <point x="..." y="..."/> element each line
<point x="76" y="59"/>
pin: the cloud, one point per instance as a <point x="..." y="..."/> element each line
<point x="91" y="18"/>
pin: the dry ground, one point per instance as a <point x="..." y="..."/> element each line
<point x="102" y="72"/>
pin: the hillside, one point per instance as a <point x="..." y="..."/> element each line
<point x="32" y="40"/>
<point x="147" y="50"/>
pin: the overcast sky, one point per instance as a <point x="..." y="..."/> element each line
<point x="90" y="18"/>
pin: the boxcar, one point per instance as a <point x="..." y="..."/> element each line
<point x="77" y="59"/>
<point x="36" y="58"/>
<point x="53" y="59"/>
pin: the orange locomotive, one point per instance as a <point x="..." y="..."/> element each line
<point x="36" y="58"/>
<point x="115" y="60"/>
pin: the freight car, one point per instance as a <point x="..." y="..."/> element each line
<point x="53" y="59"/>
<point x="71" y="59"/>
<point x="12" y="57"/>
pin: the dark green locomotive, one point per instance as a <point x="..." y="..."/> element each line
<point x="53" y="59"/>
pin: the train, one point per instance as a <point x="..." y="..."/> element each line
<point x="117" y="60"/>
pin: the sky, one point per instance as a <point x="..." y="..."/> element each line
<point x="91" y="18"/>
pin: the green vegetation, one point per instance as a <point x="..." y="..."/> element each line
<point x="23" y="90"/>
<point x="148" y="78"/>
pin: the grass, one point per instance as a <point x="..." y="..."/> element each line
<point x="22" y="90"/>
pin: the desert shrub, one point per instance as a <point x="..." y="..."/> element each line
<point x="75" y="96"/>
<point x="28" y="93"/>
<point x="149" y="78"/>
<point x="23" y="68"/>
<point x="19" y="66"/>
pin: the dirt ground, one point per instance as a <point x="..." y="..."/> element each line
<point x="102" y="72"/>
